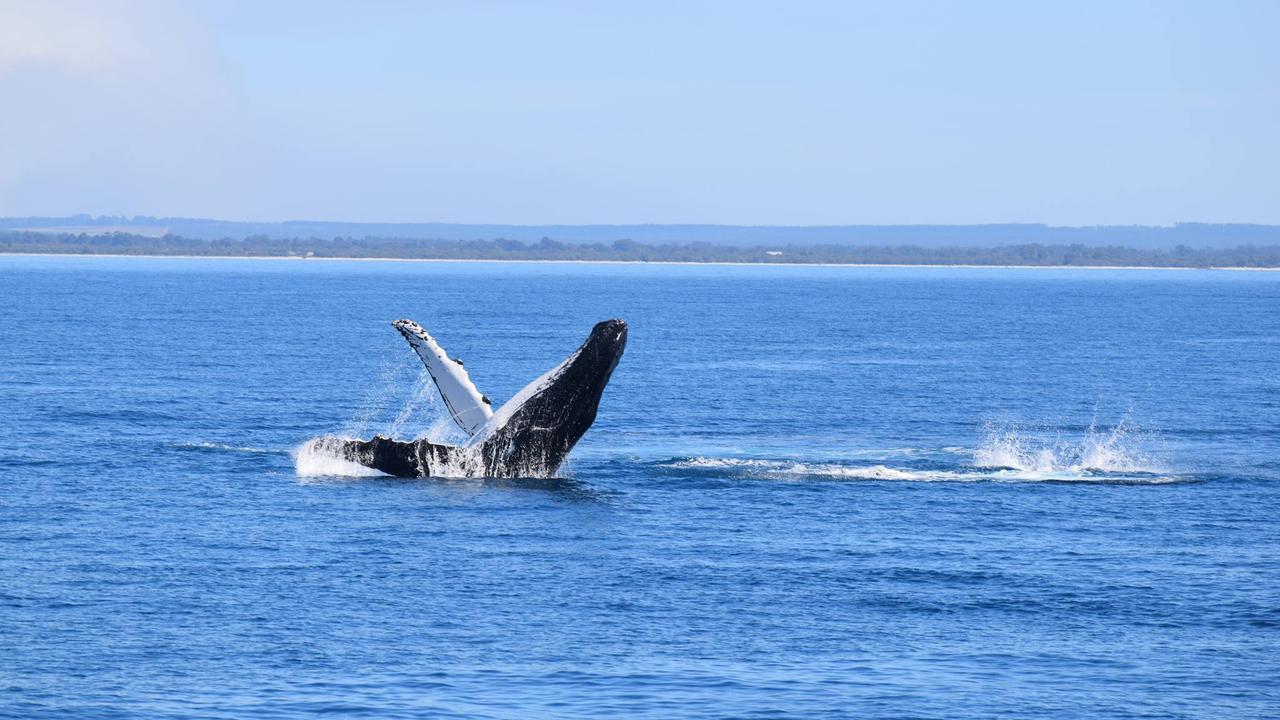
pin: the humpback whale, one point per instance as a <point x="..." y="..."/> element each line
<point x="529" y="436"/>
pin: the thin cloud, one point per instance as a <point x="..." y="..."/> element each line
<point x="80" y="38"/>
<point x="127" y="103"/>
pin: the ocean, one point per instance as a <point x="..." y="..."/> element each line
<point x="811" y="492"/>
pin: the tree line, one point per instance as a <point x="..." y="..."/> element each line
<point x="1034" y="254"/>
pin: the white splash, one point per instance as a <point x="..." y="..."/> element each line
<point x="376" y="401"/>
<point x="464" y="462"/>
<point x="1116" y="450"/>
<point x="320" y="457"/>
<point x="423" y="391"/>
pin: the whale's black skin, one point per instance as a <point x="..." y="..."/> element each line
<point x="394" y="457"/>
<point x="529" y="436"/>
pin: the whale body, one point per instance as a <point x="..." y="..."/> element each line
<point x="529" y="436"/>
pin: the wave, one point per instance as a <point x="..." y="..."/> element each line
<point x="202" y="446"/>
<point x="789" y="468"/>
<point x="762" y="469"/>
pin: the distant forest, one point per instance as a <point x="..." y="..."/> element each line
<point x="1253" y="256"/>
<point x="1190" y="234"/>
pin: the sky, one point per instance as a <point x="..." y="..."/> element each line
<point x="779" y="113"/>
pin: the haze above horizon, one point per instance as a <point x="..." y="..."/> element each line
<point x="821" y="113"/>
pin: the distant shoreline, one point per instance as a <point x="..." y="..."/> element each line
<point x="637" y="262"/>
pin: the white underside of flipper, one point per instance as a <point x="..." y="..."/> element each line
<point x="468" y="407"/>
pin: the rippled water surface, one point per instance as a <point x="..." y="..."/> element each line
<point x="810" y="492"/>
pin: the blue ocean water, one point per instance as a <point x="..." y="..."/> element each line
<point x="810" y="492"/>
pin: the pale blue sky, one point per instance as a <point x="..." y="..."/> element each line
<point x="734" y="112"/>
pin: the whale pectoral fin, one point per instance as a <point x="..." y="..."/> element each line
<point x="468" y="407"/>
<point x="532" y="433"/>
